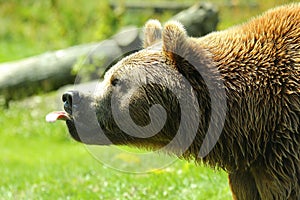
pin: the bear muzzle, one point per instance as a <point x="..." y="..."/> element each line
<point x="80" y="117"/>
<point x="70" y="99"/>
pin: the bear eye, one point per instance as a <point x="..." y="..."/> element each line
<point x="115" y="82"/>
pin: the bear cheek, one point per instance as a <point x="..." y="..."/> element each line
<point x="139" y="111"/>
<point x="104" y="113"/>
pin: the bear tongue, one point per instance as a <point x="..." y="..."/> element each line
<point x="57" y="115"/>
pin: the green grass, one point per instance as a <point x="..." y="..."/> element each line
<point x="39" y="161"/>
<point x="30" y="27"/>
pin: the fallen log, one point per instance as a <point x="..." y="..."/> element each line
<point x="49" y="71"/>
<point x="200" y="19"/>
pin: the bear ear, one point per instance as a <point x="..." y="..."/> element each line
<point x="152" y="32"/>
<point x="174" y="40"/>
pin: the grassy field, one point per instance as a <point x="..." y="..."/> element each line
<point x="39" y="160"/>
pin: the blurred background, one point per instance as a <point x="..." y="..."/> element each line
<point x="39" y="160"/>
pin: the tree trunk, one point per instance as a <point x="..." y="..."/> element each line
<point x="49" y="71"/>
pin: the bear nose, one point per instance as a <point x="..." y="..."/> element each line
<point x="69" y="98"/>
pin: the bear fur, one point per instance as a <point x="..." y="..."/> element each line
<point x="257" y="64"/>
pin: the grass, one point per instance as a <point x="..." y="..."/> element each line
<point x="40" y="161"/>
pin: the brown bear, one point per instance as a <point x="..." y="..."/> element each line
<point x="230" y="99"/>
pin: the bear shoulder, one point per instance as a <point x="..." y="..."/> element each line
<point x="260" y="49"/>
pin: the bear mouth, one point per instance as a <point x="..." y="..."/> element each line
<point x="78" y="129"/>
<point x="64" y="116"/>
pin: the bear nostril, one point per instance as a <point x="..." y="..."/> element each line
<point x="68" y="99"/>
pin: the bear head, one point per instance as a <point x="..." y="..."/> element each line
<point x="158" y="97"/>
